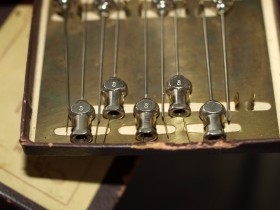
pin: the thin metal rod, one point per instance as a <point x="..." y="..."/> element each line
<point x="101" y="58"/>
<point x="186" y="129"/>
<point x="209" y="75"/>
<point x="162" y="63"/>
<point x="66" y="57"/>
<point x="117" y="26"/>
<point x="225" y="66"/>
<point x="162" y="72"/>
<point x="106" y="131"/>
<point x="145" y="49"/>
<point x="84" y="53"/>
<point x="176" y="41"/>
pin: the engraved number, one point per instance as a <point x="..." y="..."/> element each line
<point x="114" y="84"/>
<point x="179" y="82"/>
<point x="81" y="108"/>
<point x="146" y="105"/>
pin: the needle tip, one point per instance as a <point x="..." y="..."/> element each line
<point x="228" y="116"/>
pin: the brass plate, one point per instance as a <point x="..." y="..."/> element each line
<point x="248" y="64"/>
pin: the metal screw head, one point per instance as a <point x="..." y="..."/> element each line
<point x="163" y="7"/>
<point x="179" y="82"/>
<point x="146" y="105"/>
<point x="211" y="107"/>
<point x="114" y="84"/>
<point x="82" y="107"/>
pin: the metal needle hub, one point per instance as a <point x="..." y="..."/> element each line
<point x="81" y="114"/>
<point x="146" y="112"/>
<point x="212" y="113"/>
<point x="178" y="89"/>
<point x="114" y="91"/>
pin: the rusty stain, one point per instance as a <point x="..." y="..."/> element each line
<point x="173" y="147"/>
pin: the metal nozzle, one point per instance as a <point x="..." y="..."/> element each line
<point x="146" y="111"/>
<point x="64" y="4"/>
<point x="222" y="6"/>
<point x="163" y="7"/>
<point x="213" y="115"/>
<point x="178" y="89"/>
<point x="81" y="115"/>
<point x="105" y="6"/>
<point x="114" y="91"/>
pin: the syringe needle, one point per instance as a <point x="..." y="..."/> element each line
<point x="228" y="113"/>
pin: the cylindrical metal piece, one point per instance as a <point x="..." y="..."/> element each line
<point x="163" y="7"/>
<point x="114" y="91"/>
<point x="223" y="6"/>
<point x="64" y="4"/>
<point x="146" y="112"/>
<point x="81" y="114"/>
<point x="104" y="7"/>
<point x="213" y="115"/>
<point x="179" y="89"/>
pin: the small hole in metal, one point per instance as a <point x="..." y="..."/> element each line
<point x="81" y="137"/>
<point x="179" y="112"/>
<point x="113" y="113"/>
<point x="147" y="137"/>
<point x="214" y="137"/>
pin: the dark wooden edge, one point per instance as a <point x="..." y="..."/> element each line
<point x="15" y="200"/>
<point x="30" y="72"/>
<point x="67" y="149"/>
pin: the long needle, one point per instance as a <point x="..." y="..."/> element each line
<point x="225" y="66"/>
<point x="176" y="41"/>
<point x="207" y="54"/>
<point x="66" y="56"/>
<point x="162" y="72"/>
<point x="84" y="54"/>
<point x="106" y="131"/>
<point x="146" y="49"/>
<point x="162" y="64"/>
<point x="117" y="26"/>
<point x="101" y="58"/>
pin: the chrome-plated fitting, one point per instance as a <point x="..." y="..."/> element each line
<point x="179" y="89"/>
<point x="114" y="91"/>
<point x="63" y="4"/>
<point x="163" y="7"/>
<point x="81" y="114"/>
<point x="104" y="7"/>
<point x="213" y="116"/>
<point x="146" y="112"/>
<point x="223" y="6"/>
